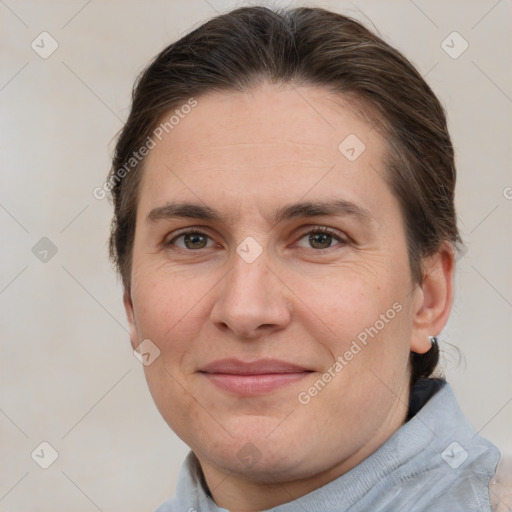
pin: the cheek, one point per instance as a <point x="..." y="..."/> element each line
<point x="169" y="310"/>
<point x="364" y="323"/>
<point x="339" y="306"/>
<point x="367" y="378"/>
<point x="162" y="298"/>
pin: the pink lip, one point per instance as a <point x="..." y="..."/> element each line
<point x="254" y="378"/>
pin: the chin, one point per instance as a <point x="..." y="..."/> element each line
<point x="265" y="467"/>
<point x="261" y="457"/>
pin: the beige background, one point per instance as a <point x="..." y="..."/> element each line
<point x="68" y="376"/>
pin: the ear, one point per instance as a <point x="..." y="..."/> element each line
<point x="433" y="298"/>
<point x="128" y="307"/>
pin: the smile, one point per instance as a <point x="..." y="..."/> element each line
<point x="253" y="378"/>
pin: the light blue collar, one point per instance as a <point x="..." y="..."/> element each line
<point x="435" y="461"/>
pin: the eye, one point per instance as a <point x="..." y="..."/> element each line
<point x="320" y="238"/>
<point x="191" y="240"/>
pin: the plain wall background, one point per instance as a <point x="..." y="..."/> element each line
<point x="68" y="375"/>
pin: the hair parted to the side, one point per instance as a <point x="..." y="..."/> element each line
<point x="303" y="46"/>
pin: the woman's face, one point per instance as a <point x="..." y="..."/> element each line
<point x="285" y="317"/>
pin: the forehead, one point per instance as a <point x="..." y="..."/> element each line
<point x="271" y="143"/>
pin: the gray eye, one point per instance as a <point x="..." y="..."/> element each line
<point x="195" y="240"/>
<point x="192" y="240"/>
<point x="320" y="240"/>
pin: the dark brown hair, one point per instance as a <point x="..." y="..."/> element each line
<point x="303" y="46"/>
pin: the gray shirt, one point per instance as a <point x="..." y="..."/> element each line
<point x="434" y="462"/>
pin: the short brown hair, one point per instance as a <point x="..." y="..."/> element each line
<point x="303" y="46"/>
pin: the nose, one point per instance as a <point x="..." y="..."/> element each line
<point x="252" y="301"/>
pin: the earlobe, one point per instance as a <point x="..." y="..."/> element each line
<point x="435" y="298"/>
<point x="128" y="307"/>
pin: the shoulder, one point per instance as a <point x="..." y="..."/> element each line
<point x="500" y="486"/>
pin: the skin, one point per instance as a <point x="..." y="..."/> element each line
<point x="246" y="155"/>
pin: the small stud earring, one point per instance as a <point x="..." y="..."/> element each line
<point x="433" y="340"/>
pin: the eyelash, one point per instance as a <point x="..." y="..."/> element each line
<point x="314" y="230"/>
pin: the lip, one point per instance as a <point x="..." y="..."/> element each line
<point x="253" y="378"/>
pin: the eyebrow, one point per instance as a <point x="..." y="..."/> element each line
<point x="335" y="207"/>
